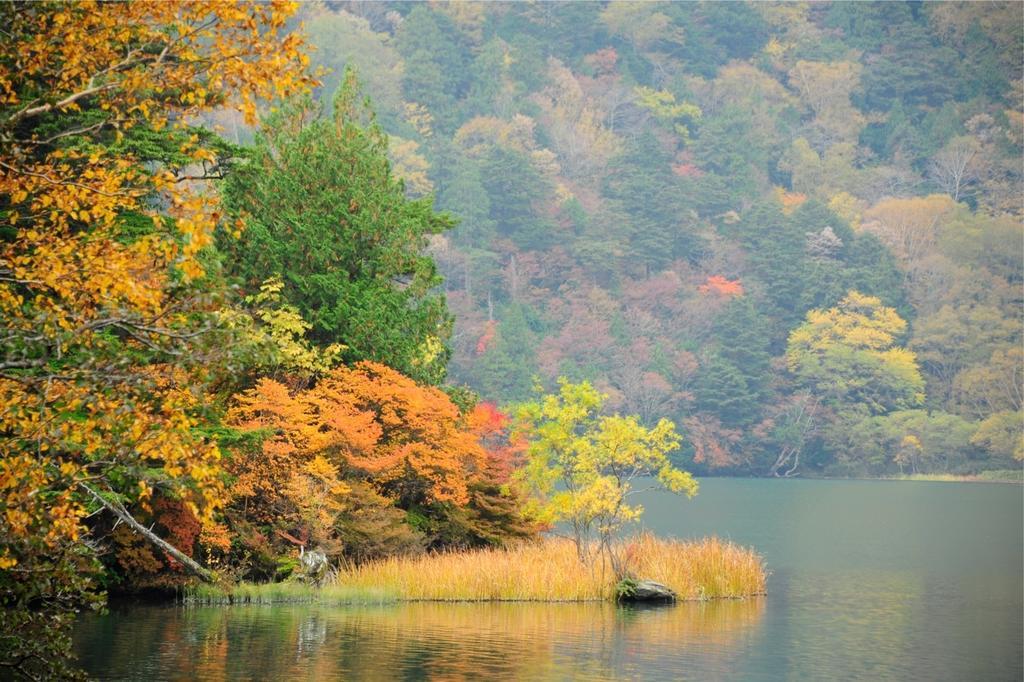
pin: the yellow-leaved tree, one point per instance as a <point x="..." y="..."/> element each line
<point x="849" y="354"/>
<point x="582" y="466"/>
<point x="104" y="225"/>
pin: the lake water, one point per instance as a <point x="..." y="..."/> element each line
<point x="870" y="580"/>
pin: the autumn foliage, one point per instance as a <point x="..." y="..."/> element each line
<point x="493" y="428"/>
<point x="371" y="421"/>
<point x="718" y="285"/>
<point x="90" y="284"/>
<point x="368" y="438"/>
<point x="104" y="225"/>
<point x="487" y="338"/>
<point x="144" y="565"/>
<point x="732" y="239"/>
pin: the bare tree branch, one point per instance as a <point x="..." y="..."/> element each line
<point x="120" y="512"/>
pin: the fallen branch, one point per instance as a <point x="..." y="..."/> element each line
<point x="120" y="512"/>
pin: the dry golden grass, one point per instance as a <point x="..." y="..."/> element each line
<point x="550" y="571"/>
<point x="708" y="568"/>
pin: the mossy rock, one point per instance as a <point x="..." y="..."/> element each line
<point x="647" y="591"/>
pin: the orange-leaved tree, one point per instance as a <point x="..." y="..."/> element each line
<point x="494" y="429"/>
<point x="721" y="286"/>
<point x="375" y="423"/>
<point x="391" y="439"/>
<point x="103" y="226"/>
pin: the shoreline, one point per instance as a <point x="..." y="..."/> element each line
<point x="543" y="572"/>
<point x="909" y="478"/>
<point x="314" y="598"/>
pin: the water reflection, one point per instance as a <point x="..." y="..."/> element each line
<point x="873" y="580"/>
<point x="419" y="641"/>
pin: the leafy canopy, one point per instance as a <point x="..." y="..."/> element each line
<point x="406" y="439"/>
<point x="849" y="354"/>
<point x="325" y="214"/>
<point x="581" y="466"/>
<point x="102" y="350"/>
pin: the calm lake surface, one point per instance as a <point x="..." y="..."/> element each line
<point x="871" y="580"/>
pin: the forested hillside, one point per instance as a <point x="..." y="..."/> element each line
<point x="279" y="281"/>
<point x="793" y="228"/>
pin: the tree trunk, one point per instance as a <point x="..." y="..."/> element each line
<point x="120" y="512"/>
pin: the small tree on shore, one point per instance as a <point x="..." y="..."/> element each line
<point x="581" y="467"/>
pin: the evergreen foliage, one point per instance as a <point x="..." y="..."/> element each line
<point x="324" y="212"/>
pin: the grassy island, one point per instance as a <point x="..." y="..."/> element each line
<point x="548" y="571"/>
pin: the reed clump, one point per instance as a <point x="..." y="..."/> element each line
<point x="550" y="570"/>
